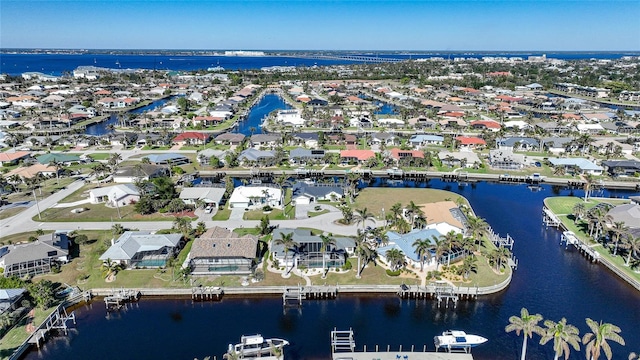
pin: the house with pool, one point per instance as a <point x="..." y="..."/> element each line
<point x="142" y="249"/>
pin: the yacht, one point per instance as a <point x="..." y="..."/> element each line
<point x="456" y="339"/>
<point x="255" y="346"/>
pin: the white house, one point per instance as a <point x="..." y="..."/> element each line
<point x="208" y="195"/>
<point x="255" y="196"/>
<point x="120" y="195"/>
<point x="290" y="116"/>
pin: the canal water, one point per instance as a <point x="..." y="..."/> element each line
<point x="253" y="123"/>
<point x="550" y="280"/>
<point x="102" y="128"/>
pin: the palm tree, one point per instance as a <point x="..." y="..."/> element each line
<point x="183" y="224"/>
<point x="326" y="242"/>
<point x="588" y="182"/>
<point x="563" y="335"/>
<point x="618" y="229"/>
<point x="363" y="252"/>
<point x="469" y="265"/>
<point x="440" y="247"/>
<point x="423" y="248"/>
<point x="286" y="240"/>
<point x="526" y="324"/>
<point x="452" y="239"/>
<point x="478" y="227"/>
<point x="578" y="211"/>
<point x="117" y="229"/>
<point x="362" y="216"/>
<point x="110" y="268"/>
<point x="632" y="244"/>
<point x="596" y="340"/>
<point x="395" y="258"/>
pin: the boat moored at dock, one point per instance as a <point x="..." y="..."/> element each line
<point x="255" y="346"/>
<point x="457" y="340"/>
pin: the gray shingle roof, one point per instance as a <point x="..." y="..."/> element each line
<point x="219" y="242"/>
<point x="132" y="242"/>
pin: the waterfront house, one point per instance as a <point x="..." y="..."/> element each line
<point x="139" y="172"/>
<point x="459" y="158"/>
<point x="143" y="249"/>
<point x="10" y="299"/>
<point x="304" y="193"/>
<point x="254" y="157"/>
<point x="291" y="117"/>
<point x="404" y="243"/>
<point x="116" y="195"/>
<point x="255" y="196"/>
<point x="308" y="253"/>
<point x="356" y="156"/>
<point x="581" y="165"/>
<point x="209" y="196"/>
<point x="220" y="251"/>
<point x="303" y="156"/>
<point x="171" y="159"/>
<point x="34" y="258"/>
<point x="505" y="159"/>
<point x="204" y="157"/>
<point x="405" y="157"/>
<point x="622" y="167"/>
<point x="629" y="214"/>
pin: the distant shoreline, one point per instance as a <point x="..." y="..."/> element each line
<point x="276" y="52"/>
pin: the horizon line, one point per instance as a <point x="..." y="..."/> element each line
<point x="302" y="50"/>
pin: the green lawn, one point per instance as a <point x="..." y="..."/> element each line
<point x="98" y="213"/>
<point x="7" y="213"/>
<point x="100" y="156"/>
<point x="18" y="334"/>
<point x="275" y="214"/>
<point x="564" y="204"/>
<point x="222" y="214"/>
<point x="376" y="199"/>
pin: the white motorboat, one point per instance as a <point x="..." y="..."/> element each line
<point x="456" y="339"/>
<point x="254" y="346"/>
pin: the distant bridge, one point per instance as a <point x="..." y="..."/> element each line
<point x="355" y="58"/>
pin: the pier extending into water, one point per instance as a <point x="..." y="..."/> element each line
<point x="343" y="347"/>
<point x="118" y="298"/>
<point x="567" y="237"/>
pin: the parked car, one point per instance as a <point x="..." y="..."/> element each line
<point x="208" y="209"/>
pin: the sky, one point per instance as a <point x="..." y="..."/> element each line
<point x="419" y="25"/>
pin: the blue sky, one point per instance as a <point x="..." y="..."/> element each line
<point x="514" y="25"/>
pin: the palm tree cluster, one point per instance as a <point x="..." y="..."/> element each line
<point x="614" y="235"/>
<point x="566" y="336"/>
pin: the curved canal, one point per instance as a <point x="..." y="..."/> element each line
<point x="550" y="280"/>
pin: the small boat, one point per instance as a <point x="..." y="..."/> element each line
<point x="456" y="339"/>
<point x="255" y="346"/>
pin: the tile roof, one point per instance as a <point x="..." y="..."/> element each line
<point x="219" y="242"/>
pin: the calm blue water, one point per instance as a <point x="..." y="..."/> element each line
<point x="550" y="280"/>
<point x="262" y="108"/>
<point x="57" y="64"/>
<point x="100" y="129"/>
<point x="385" y="109"/>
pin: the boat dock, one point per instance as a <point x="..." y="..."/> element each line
<point x="441" y="291"/>
<point x="293" y="295"/>
<point x="206" y="293"/>
<point x="119" y="297"/>
<point x="343" y="347"/>
<point x="569" y="238"/>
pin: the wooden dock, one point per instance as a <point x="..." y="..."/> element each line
<point x="569" y="238"/>
<point x="343" y="347"/>
<point x="118" y="298"/>
<point x="206" y="293"/>
<point x="441" y="291"/>
<point x="57" y="320"/>
<point x="294" y="295"/>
